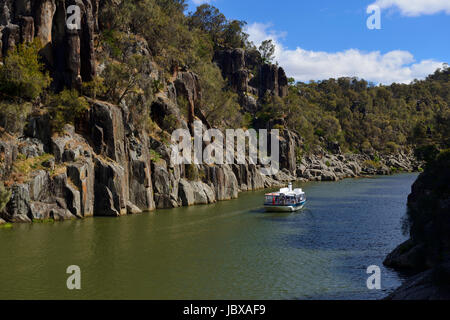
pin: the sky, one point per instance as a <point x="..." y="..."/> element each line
<point x="323" y="39"/>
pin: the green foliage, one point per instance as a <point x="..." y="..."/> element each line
<point x="23" y="166"/>
<point x="219" y="104"/>
<point x="171" y="122"/>
<point x="65" y="107"/>
<point x="13" y="115"/>
<point x="157" y="86"/>
<point x="363" y="117"/>
<point x="5" y="195"/>
<point x="6" y="225"/>
<point x="22" y="80"/>
<point x="192" y="172"/>
<point x="353" y="113"/>
<point x="298" y="154"/>
<point x="267" y="50"/>
<point x="427" y="153"/>
<point x="22" y="75"/>
<point x="372" y="164"/>
<point x="154" y="156"/>
<point x="223" y="32"/>
<point x="94" y="88"/>
<point x="123" y="79"/>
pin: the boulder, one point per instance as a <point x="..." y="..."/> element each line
<point x="82" y="175"/>
<point x="433" y="284"/>
<point x="141" y="190"/>
<point x="224" y="181"/>
<point x="39" y="185"/>
<point x="203" y="194"/>
<point x="133" y="209"/>
<point x="43" y="211"/>
<point x="110" y="188"/>
<point x="31" y="147"/>
<point x="165" y="187"/>
<point x="328" y="176"/>
<point x="407" y="255"/>
<point x="186" y="193"/>
<point x="18" y="208"/>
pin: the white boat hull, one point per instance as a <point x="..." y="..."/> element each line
<point x="270" y="208"/>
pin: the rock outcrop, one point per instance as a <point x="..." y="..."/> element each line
<point x="104" y="165"/>
<point x="427" y="252"/>
<point x="250" y="77"/>
<point x="68" y="53"/>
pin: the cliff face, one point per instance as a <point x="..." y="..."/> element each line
<point x="250" y="77"/>
<point x="427" y="252"/>
<point x="104" y="165"/>
<point x="68" y="54"/>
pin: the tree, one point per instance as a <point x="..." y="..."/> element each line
<point x="267" y="50"/>
<point x="22" y="74"/>
<point x="66" y="107"/>
<point x="5" y="195"/>
<point x="208" y="19"/>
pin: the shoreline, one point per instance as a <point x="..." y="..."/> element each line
<point x="6" y="224"/>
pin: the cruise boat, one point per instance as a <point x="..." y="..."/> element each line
<point x="287" y="199"/>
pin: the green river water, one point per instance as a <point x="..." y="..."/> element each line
<point x="228" y="250"/>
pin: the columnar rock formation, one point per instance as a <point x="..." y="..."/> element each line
<point x="250" y="77"/>
<point x="105" y="166"/>
<point x="69" y="54"/>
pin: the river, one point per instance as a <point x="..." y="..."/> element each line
<point x="228" y="250"/>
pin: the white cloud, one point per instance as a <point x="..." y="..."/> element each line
<point x="415" y="8"/>
<point x="199" y="2"/>
<point x="304" y="65"/>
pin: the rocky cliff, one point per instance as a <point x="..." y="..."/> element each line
<point x="427" y="252"/>
<point x="68" y="54"/>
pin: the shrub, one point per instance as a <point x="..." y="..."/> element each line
<point x="22" y="75"/>
<point x="23" y="166"/>
<point x="372" y="164"/>
<point x="13" y="115"/>
<point x="154" y="156"/>
<point x="392" y="147"/>
<point x="279" y="127"/>
<point x="94" y="88"/>
<point x="427" y="153"/>
<point x="65" y="107"/>
<point x="5" y="195"/>
<point x="171" y="122"/>
<point x="192" y="172"/>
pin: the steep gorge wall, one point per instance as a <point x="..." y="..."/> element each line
<point x="427" y="252"/>
<point x="68" y="54"/>
<point x="103" y="166"/>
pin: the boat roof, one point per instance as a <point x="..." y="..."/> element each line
<point x="286" y="192"/>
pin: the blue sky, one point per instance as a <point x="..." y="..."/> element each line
<point x="328" y="38"/>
